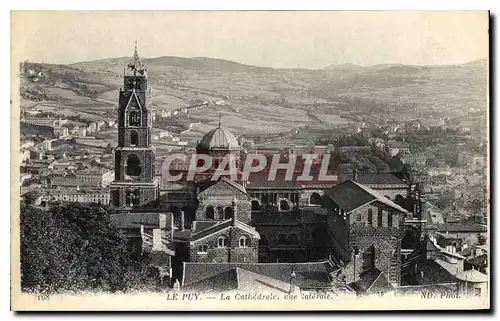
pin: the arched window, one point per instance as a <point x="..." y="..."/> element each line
<point x="379" y="217"/>
<point x="220" y="213"/>
<point x="209" y="212"/>
<point x="244" y="241"/>
<point x="132" y="197"/>
<point x="128" y="197"/>
<point x="222" y="241"/>
<point x="134" y="118"/>
<point x="115" y="196"/>
<point x="284" y="206"/>
<point x="203" y="248"/>
<point x="315" y="199"/>
<point x="255" y="205"/>
<point x="134" y="138"/>
<point x="281" y="239"/>
<point x="263" y="240"/>
<point x="133" y="165"/>
<point x="368" y="258"/>
<point x="228" y="213"/>
<point x="293" y="239"/>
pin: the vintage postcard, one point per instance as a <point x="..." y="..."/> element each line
<point x="250" y="160"/>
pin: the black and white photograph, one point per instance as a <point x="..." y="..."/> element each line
<point x="250" y="160"/>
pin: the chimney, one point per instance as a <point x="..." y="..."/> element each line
<point x="234" y="211"/>
<point x="163" y="221"/>
<point x="177" y="286"/>
<point x="143" y="245"/>
<point x="292" y="282"/>
<point x="181" y="227"/>
<point x="157" y="239"/>
<point x="355" y="175"/>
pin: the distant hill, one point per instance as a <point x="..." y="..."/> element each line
<point x="90" y="88"/>
<point x="380" y="85"/>
<point x="344" y="67"/>
<point x="196" y="63"/>
<point x="481" y="63"/>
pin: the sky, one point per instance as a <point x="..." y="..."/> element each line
<point x="280" y="39"/>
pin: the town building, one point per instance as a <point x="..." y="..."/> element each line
<point x="347" y="230"/>
<point x="61" y="132"/>
<point x="93" y="177"/>
<point x="365" y="229"/>
<point x="394" y="148"/>
<point x="77" y="194"/>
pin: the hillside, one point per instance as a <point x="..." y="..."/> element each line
<point x="259" y="100"/>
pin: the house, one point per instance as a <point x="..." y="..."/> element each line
<point x="61" y="132"/>
<point x="77" y="194"/>
<point x="394" y="148"/>
<point x="93" y="177"/>
<point x="364" y="230"/>
<point x="470" y="282"/>
<point x="478" y="263"/>
<point x="469" y="233"/>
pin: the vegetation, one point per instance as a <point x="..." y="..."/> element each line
<point x="344" y="140"/>
<point x="373" y="159"/>
<point x="36" y="130"/>
<point x="75" y="248"/>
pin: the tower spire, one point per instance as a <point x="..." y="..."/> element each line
<point x="136" y="64"/>
<point x="220" y="115"/>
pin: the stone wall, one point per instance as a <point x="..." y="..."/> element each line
<point x="232" y="253"/>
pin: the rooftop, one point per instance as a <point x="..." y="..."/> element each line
<point x="459" y="227"/>
<point x="221" y="226"/>
<point x="467" y="276"/>
<point x="372" y="281"/>
<point x="479" y="261"/>
<point x="219" y="138"/>
<point x="434" y="273"/>
<point x="308" y="275"/>
<point x="351" y="195"/>
<point x="373" y="178"/>
<point x="135" y="220"/>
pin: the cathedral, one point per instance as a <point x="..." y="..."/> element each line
<point x="353" y="223"/>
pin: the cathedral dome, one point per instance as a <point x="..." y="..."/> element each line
<point x="219" y="138"/>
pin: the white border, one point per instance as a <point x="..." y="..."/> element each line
<point x="198" y="5"/>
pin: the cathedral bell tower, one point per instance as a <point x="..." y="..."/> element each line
<point x="135" y="183"/>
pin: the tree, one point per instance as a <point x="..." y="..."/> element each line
<point x="44" y="264"/>
<point x="31" y="196"/>
<point x="75" y="248"/>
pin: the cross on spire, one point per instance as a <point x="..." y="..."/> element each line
<point x="220" y="115"/>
